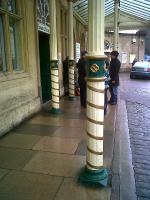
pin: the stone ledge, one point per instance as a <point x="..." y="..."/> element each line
<point x="122" y="160"/>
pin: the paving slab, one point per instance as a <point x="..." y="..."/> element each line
<point x="15" y="158"/>
<point x="36" y="129"/>
<point x="19" y="141"/>
<point x="71" y="190"/>
<point x="56" y="164"/>
<point x="27" y="186"/>
<point x="55" y="144"/>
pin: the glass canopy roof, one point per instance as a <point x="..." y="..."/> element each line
<point x="137" y="8"/>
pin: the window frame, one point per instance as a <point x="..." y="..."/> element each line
<point x="18" y="16"/>
<point x="4" y="66"/>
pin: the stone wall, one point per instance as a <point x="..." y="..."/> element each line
<point x="19" y="96"/>
<point x="126" y="46"/>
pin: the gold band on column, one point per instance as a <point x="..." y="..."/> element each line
<point x="94" y="152"/>
<point x="94" y="89"/>
<point x="93" y="166"/>
<point x="95" y="121"/>
<point x="94" y="137"/>
<point x="95" y="106"/>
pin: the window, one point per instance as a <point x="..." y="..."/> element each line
<point x="2" y="48"/>
<point x="11" y="6"/>
<point x="14" y="42"/>
<point x="10" y="57"/>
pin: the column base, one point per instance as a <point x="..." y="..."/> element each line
<point x="72" y="98"/>
<point x="56" y="111"/>
<point x="94" y="177"/>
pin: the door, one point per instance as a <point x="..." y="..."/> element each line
<point x="44" y="51"/>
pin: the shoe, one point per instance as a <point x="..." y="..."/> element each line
<point x="113" y="103"/>
<point x="83" y="106"/>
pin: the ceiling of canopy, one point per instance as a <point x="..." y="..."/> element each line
<point x="137" y="8"/>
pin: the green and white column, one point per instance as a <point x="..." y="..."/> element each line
<point x="116" y="23"/>
<point x="95" y="172"/>
<point x="54" y="61"/>
<point x="71" y="53"/>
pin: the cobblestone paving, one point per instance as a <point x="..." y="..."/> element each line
<point x="138" y="109"/>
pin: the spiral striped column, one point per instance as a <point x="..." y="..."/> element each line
<point x="94" y="172"/>
<point x="55" y="87"/>
<point x="95" y="123"/>
<point x="71" y="80"/>
<point x="71" y="52"/>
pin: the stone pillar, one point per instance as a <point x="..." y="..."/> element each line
<point x="53" y="60"/>
<point x="71" y="52"/>
<point x="116" y="24"/>
<point x="94" y="172"/>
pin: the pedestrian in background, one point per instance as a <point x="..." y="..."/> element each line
<point x="106" y="87"/>
<point x="65" y="75"/>
<point x="134" y="61"/>
<point x="82" y="73"/>
<point x="114" y="77"/>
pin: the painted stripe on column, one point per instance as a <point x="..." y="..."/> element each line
<point x="71" y="73"/>
<point x="94" y="152"/>
<point x="95" y="106"/>
<point x="54" y="75"/>
<point x="94" y="137"/>
<point x="54" y="88"/>
<point x="96" y="79"/>
<point x="55" y="95"/>
<point x="55" y="102"/>
<point x="55" y="82"/>
<point x="94" y="89"/>
<point x="71" y="83"/>
<point x="93" y="166"/>
<point x="95" y="121"/>
<point x="71" y="78"/>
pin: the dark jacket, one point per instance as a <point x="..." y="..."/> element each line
<point x="82" y="73"/>
<point x="65" y="72"/>
<point x="114" y="72"/>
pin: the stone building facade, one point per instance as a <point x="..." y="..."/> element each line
<point x="130" y="46"/>
<point x="25" y="57"/>
<point x="25" y="47"/>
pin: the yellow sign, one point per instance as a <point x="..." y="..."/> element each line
<point x="94" y="68"/>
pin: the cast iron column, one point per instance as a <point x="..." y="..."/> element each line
<point x="53" y="60"/>
<point x="116" y="25"/>
<point x="71" y="53"/>
<point x="95" y="172"/>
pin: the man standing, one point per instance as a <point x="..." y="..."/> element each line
<point x="65" y="75"/>
<point x="114" y="77"/>
<point x="81" y="66"/>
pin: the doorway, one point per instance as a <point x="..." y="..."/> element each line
<point x="44" y="52"/>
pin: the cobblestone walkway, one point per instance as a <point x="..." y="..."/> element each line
<point x="138" y="109"/>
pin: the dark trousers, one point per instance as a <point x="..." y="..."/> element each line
<point x="82" y="85"/>
<point x="105" y="101"/>
<point x="114" y="94"/>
